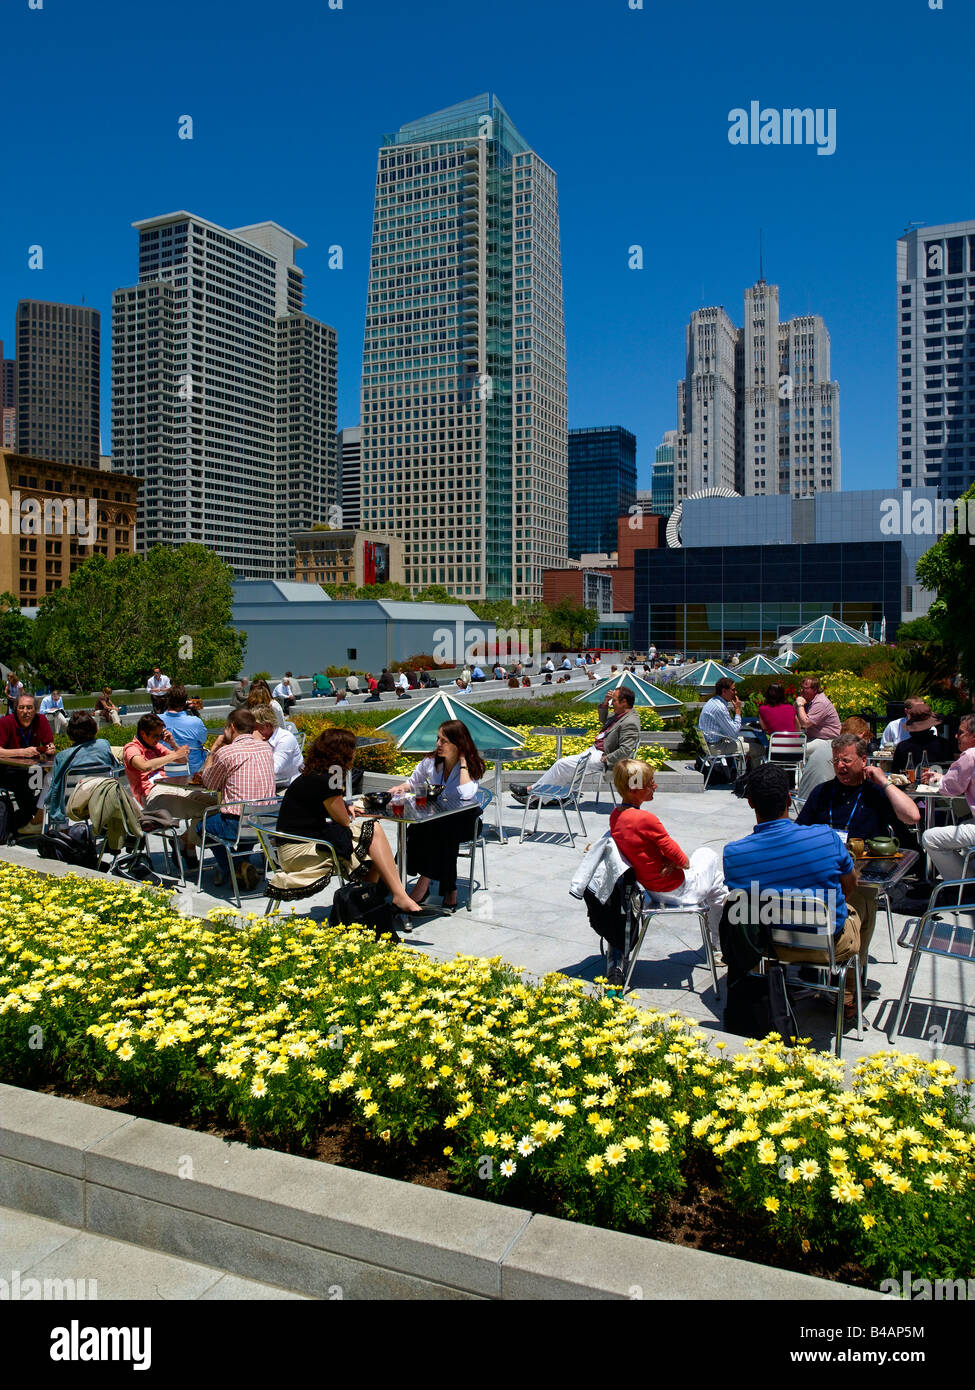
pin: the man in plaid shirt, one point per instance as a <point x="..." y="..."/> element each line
<point x="239" y="765"/>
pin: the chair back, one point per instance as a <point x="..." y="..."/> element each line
<point x="579" y="776"/>
<point x="787" y="748"/>
<point x="799" y="919"/>
<point x="257" y="813"/>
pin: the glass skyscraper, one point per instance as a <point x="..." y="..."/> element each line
<point x="602" y="487"/>
<point x="464" y="417"/>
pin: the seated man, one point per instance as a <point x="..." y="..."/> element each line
<point x="284" y="693"/>
<point x="896" y="730"/>
<point x="321" y="685"/>
<point x="25" y="740"/>
<point x="565" y="664"/>
<point x="352" y="685"/>
<point x="618" y="738"/>
<point x="923" y="739"/>
<point x="720" y="730"/>
<point x="477" y="674"/>
<point x="52" y="708"/>
<point x="946" y="843"/>
<point x="145" y="759"/>
<point x="781" y="855"/>
<point x="818" y="767"/>
<point x="187" y="729"/>
<point x="817" y="716"/>
<point x="288" y="760"/>
<point x="241" y="691"/>
<point x="857" y="801"/>
<point x="386" y="684"/>
<point x="661" y="866"/>
<point x="240" y="766"/>
<point x="497" y="671"/>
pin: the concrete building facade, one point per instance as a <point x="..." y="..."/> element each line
<point x="464" y="414"/>
<point x="936" y="358"/>
<point x="346" y="556"/>
<point x="350" y="475"/>
<point x="224" y="392"/>
<point x="58" y="382"/>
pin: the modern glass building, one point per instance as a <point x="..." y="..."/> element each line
<point x="464" y="418"/>
<point x="602" y="487"/>
<point x="715" y="599"/>
<point x="662" y="482"/>
<point x="936" y="358"/>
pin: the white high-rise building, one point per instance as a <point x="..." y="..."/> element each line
<point x="464" y="415"/>
<point x="224" y="392"/>
<point x="757" y="412"/>
<point x="936" y="358"/>
<point x="350" y="476"/>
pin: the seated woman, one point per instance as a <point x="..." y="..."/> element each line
<point x="432" y="846"/>
<point x="106" y="708"/>
<point x="313" y="806"/>
<point x="89" y="755"/>
<point x="661" y="866"/>
<point x="777" y="715"/>
<point x="260" y="694"/>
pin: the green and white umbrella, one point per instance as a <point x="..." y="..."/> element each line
<point x="827" y="629"/>
<point x="643" y="692"/>
<point x="707" y="673"/>
<point x="415" y="728"/>
<point x="759" y="666"/>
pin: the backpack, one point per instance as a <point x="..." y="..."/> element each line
<point x="755" y="1004"/>
<point x="70" y="844"/>
<point x="365" y="904"/>
<point x="611" y="918"/>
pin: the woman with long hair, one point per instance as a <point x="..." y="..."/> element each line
<point x="260" y="694"/>
<point x="777" y="715"/>
<point x="432" y="846"/>
<point x="313" y="806"/>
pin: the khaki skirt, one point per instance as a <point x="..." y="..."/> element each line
<point x="308" y="868"/>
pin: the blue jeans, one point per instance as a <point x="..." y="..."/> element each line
<point x="224" y="827"/>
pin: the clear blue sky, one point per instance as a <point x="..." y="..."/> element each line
<point x="630" y="107"/>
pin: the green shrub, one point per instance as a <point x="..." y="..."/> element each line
<point x="819" y="657"/>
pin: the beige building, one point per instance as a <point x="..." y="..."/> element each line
<point x="348" y="557"/>
<point x="54" y="516"/>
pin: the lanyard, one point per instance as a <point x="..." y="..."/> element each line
<point x="849" y="818"/>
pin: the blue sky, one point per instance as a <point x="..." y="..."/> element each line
<point x="630" y="107"/>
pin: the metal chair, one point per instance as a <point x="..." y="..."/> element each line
<point x="270" y="842"/>
<point x="601" y="775"/>
<point x="562" y="797"/>
<point x="788" y="751"/>
<point x="937" y="933"/>
<point x="468" y="848"/>
<point x="252" y="814"/>
<point x="802" y="923"/>
<point x="738" y="757"/>
<point x="644" y="911"/>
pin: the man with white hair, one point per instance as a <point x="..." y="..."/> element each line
<point x="285" y="750"/>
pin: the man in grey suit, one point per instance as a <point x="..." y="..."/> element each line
<point x="617" y="739"/>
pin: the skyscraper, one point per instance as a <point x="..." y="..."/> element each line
<point x="8" y="401"/>
<point x="58" y="375"/>
<point x="602" y="487"/>
<point x="662" y="479"/>
<point x="224" y="392"/>
<point x="464" y="417"/>
<point x="757" y="412"/>
<point x="936" y="358"/>
<point x="350" y="476"/>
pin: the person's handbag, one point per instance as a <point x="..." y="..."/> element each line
<point x="363" y="904"/>
<point x="70" y="844"/>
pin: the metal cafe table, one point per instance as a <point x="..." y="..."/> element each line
<point x="558" y="734"/>
<point x="417" y="815"/>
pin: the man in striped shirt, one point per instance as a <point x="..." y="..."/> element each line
<point x="720" y="730"/>
<point x="240" y="765"/>
<point x="780" y="855"/>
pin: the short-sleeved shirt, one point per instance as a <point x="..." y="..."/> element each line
<point x="824" y="722"/>
<point x="781" y="719"/>
<point x="303" y="812"/>
<point x="781" y="854"/>
<point x="242" y="771"/>
<point x="141" y="783"/>
<point x="863" y="811"/>
<point x="187" y="728"/>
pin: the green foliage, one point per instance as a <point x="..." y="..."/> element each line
<point x="949" y="568"/>
<point x="16" y="633"/>
<point x="817" y="657"/>
<point x="380" y="757"/>
<point x="901" y="685"/>
<point x="118" y="618"/>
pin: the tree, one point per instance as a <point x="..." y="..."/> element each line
<point x="16" y="632"/>
<point x="949" y="568"/>
<point x="570" y="623"/>
<point x="118" y="618"/>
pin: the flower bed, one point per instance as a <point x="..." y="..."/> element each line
<point x="537" y="1093"/>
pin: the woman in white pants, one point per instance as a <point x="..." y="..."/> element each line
<point x="946" y="844"/>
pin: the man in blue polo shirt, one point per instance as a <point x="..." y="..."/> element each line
<point x="780" y="854"/>
<point x="186" y="729"/>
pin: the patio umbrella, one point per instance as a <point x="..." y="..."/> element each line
<point x="415" y="728"/>
<point x="828" y="629"/>
<point x="707" y="673"/>
<point x="760" y="666"/>
<point x="643" y="692"/>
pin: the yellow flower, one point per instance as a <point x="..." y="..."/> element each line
<point x="489" y="1139"/>
<point x="615" y="1154"/>
<point x="766" y="1151"/>
<point x="808" y="1169"/>
<point x="371" y="1109"/>
<point x="938" y="1182"/>
<point x="594" y="1165"/>
<point x="772" y="1204"/>
<point x="868" y="1221"/>
<point x="658" y="1143"/>
<point x="603" y="1126"/>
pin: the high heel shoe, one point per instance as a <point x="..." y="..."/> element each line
<point x="420" y="901"/>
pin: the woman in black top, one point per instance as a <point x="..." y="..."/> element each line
<point x="313" y="806"/>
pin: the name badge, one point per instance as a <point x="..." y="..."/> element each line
<point x="844" y="835"/>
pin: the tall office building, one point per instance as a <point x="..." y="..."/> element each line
<point x="58" y="375"/>
<point x="757" y="412"/>
<point x="602" y="487"/>
<point x="662" y="478"/>
<point x="464" y="417"/>
<point x="936" y="358"/>
<point x="224" y="392"/>
<point x="350" y="476"/>
<point x="8" y="401"/>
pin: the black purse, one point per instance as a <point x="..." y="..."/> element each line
<point x="363" y="904"/>
<point x="71" y="844"/>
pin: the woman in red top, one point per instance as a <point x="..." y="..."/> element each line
<point x="777" y="715"/>
<point x="661" y="866"/>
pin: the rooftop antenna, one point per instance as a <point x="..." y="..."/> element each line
<point x="761" y="268"/>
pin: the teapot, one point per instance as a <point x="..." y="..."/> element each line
<point x="883" y="846"/>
